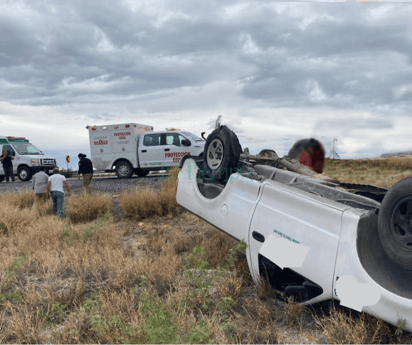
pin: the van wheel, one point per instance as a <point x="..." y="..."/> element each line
<point x="395" y="223"/>
<point x="141" y="173"/>
<point x="124" y="169"/>
<point x="222" y="152"/>
<point x="24" y="174"/>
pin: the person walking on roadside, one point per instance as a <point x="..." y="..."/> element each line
<point x="85" y="169"/>
<point x="40" y="180"/>
<point x="55" y="186"/>
<point x="6" y="160"/>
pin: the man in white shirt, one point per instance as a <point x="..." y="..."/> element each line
<point x="40" y="186"/>
<point x="55" y="186"/>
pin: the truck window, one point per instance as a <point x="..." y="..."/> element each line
<point x="151" y="140"/>
<point x="174" y="139"/>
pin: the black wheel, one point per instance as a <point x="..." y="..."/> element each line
<point x="395" y="223"/>
<point x="222" y="152"/>
<point x="124" y="169"/>
<point x="309" y="152"/>
<point x="24" y="174"/>
<point x="141" y="173"/>
<point x="1" y="178"/>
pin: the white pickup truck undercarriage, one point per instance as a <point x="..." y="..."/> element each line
<point x="313" y="238"/>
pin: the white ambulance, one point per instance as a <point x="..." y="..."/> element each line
<point x="27" y="158"/>
<point x="134" y="148"/>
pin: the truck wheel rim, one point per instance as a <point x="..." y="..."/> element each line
<point x="401" y="224"/>
<point x="124" y="170"/>
<point x="23" y="174"/>
<point x="215" y="154"/>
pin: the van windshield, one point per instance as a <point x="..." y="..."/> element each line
<point x="27" y="149"/>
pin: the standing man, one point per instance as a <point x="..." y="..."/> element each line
<point x="6" y="160"/>
<point x="40" y="180"/>
<point x="85" y="169"/>
<point x="56" y="185"/>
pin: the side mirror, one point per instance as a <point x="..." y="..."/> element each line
<point x="186" y="142"/>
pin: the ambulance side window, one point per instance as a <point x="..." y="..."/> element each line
<point x="151" y="140"/>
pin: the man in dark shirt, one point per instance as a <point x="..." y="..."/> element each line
<point x="85" y="169"/>
<point x="6" y="160"/>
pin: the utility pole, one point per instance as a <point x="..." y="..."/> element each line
<point x="333" y="148"/>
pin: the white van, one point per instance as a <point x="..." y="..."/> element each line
<point x="27" y="158"/>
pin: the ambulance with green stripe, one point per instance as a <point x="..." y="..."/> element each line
<point x="27" y="158"/>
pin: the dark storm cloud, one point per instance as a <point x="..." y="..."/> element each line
<point x="347" y="60"/>
<point x="103" y="48"/>
<point x="17" y="46"/>
<point x="273" y="70"/>
<point x="305" y="55"/>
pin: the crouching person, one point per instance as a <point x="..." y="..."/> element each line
<point x="55" y="187"/>
<point x="40" y="180"/>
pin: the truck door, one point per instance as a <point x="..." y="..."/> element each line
<point x="150" y="151"/>
<point x="174" y="150"/>
<point x="296" y="231"/>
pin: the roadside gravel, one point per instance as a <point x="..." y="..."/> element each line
<point x="111" y="185"/>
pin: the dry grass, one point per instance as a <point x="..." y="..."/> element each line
<point x="294" y="311"/>
<point x="383" y="172"/>
<point x="145" y="203"/>
<point x="344" y="326"/>
<point x="83" y="283"/>
<point x="156" y="276"/>
<point x="13" y="219"/>
<point x="84" y="208"/>
<point x="22" y="199"/>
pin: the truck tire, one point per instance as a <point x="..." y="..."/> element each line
<point x="24" y="173"/>
<point x="1" y="178"/>
<point x="124" y="169"/>
<point x="221" y="154"/>
<point x="141" y="173"/>
<point x="395" y="223"/>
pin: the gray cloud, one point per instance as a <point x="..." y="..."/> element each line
<point x="105" y="60"/>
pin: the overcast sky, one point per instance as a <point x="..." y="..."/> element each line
<point x="276" y="71"/>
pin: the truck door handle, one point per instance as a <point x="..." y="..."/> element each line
<point x="258" y="236"/>
<point x="144" y="151"/>
<point x="167" y="149"/>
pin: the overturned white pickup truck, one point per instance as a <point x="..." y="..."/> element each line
<point x="313" y="238"/>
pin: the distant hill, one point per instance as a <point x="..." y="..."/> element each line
<point x="398" y="154"/>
